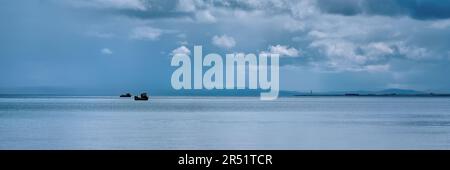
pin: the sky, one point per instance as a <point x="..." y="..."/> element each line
<point x="112" y="46"/>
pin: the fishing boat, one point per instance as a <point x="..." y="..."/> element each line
<point x="143" y="97"/>
<point x="126" y="95"/>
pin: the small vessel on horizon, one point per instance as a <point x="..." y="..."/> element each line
<point x="143" y="97"/>
<point x="352" y="94"/>
<point x="126" y="95"/>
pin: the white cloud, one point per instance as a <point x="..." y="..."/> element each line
<point x="377" y="68"/>
<point x="317" y="34"/>
<point x="441" y="24"/>
<point x="205" y="16"/>
<point x="224" y="41"/>
<point x="198" y="8"/>
<point x="145" y="33"/>
<point x="303" y="9"/>
<point x="284" y="51"/>
<point x="181" y="50"/>
<point x="106" y="51"/>
<point x="349" y="48"/>
<point x="414" y="52"/>
<point x="377" y="50"/>
<point x="187" y="5"/>
<point x="340" y="54"/>
<point x="382" y="47"/>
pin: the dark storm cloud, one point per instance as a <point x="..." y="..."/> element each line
<point x="418" y="9"/>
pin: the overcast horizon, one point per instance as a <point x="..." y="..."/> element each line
<point x="114" y="46"/>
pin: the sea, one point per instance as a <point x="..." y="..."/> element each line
<point x="339" y="122"/>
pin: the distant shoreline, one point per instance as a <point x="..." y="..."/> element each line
<point x="373" y="95"/>
<point x="282" y="96"/>
<point x="236" y="93"/>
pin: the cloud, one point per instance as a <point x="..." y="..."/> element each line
<point x="181" y="50"/>
<point x="187" y="5"/>
<point x="317" y="34"/>
<point x="224" y="41"/>
<point x="352" y="42"/>
<point x="418" y="9"/>
<point x="441" y="24"/>
<point x="377" y="68"/>
<point x="145" y="33"/>
<point x="351" y="35"/>
<point x="106" y="51"/>
<point x="414" y="52"/>
<point x="376" y="51"/>
<point x="299" y="9"/>
<point x="198" y="8"/>
<point x="382" y="48"/>
<point x="302" y="9"/>
<point x="205" y="16"/>
<point x="284" y="51"/>
<point x="340" y="54"/>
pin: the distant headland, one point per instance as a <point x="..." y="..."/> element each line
<point x="382" y="93"/>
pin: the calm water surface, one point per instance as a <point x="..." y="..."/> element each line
<point x="225" y="123"/>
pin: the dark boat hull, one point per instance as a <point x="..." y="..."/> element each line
<point x="140" y="98"/>
<point x="126" y="95"/>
